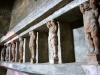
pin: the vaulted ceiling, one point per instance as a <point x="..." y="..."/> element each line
<point x="5" y="15"/>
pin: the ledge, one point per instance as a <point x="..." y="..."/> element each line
<point x="56" y="14"/>
<point x="47" y="69"/>
<point x="36" y="16"/>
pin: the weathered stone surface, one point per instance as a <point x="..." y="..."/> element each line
<point x="94" y="59"/>
<point x="5" y="14"/>
<point x="14" y="72"/>
<point x="22" y="8"/>
<point x="48" y="69"/>
<point x="32" y="8"/>
<point x="80" y="44"/>
<point x="91" y="69"/>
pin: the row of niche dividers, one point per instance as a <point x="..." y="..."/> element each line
<point x="42" y="55"/>
<point x="16" y="52"/>
<point x="25" y="46"/>
<point x="43" y="52"/>
<point x="41" y="49"/>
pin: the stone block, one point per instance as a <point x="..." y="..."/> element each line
<point x="91" y="69"/>
<point x="94" y="59"/>
<point x="33" y="61"/>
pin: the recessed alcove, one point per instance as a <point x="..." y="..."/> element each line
<point x="71" y="29"/>
<point x="72" y="46"/>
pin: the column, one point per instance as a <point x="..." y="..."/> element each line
<point x="26" y="51"/>
<point x="16" y="52"/>
<point x="9" y="52"/>
<point x="24" y="48"/>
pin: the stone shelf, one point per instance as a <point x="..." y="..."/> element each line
<point x="35" y="16"/>
<point x="13" y="35"/>
<point x="47" y="69"/>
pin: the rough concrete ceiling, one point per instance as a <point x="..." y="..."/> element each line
<point x="5" y="15"/>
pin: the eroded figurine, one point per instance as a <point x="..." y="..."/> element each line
<point x="91" y="25"/>
<point x="13" y="50"/>
<point x="32" y="46"/>
<point x="21" y="49"/>
<point x="53" y="38"/>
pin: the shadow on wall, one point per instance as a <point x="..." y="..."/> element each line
<point x="77" y="24"/>
<point x="67" y="48"/>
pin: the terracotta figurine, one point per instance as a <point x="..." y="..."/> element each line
<point x="91" y="24"/>
<point x="21" y="49"/>
<point x="53" y="38"/>
<point x="13" y="51"/>
<point x="32" y="46"/>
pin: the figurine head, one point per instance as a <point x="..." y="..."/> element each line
<point x="31" y="33"/>
<point x="20" y="38"/>
<point x="86" y="5"/>
<point x="12" y="42"/>
<point x="49" y="24"/>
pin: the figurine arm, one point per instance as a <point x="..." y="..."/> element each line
<point x="47" y="26"/>
<point x="34" y="36"/>
<point x="92" y="4"/>
<point x="82" y="9"/>
<point x="54" y="24"/>
<point x="96" y="13"/>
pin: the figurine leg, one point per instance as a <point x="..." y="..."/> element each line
<point x="90" y="41"/>
<point x="95" y="40"/>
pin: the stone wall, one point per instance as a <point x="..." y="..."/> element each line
<point x="80" y="44"/>
<point x="13" y="72"/>
<point x="48" y="69"/>
<point x="22" y="8"/>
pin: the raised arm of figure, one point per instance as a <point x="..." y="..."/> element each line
<point x="93" y="4"/>
<point x="82" y="9"/>
<point x="54" y="24"/>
